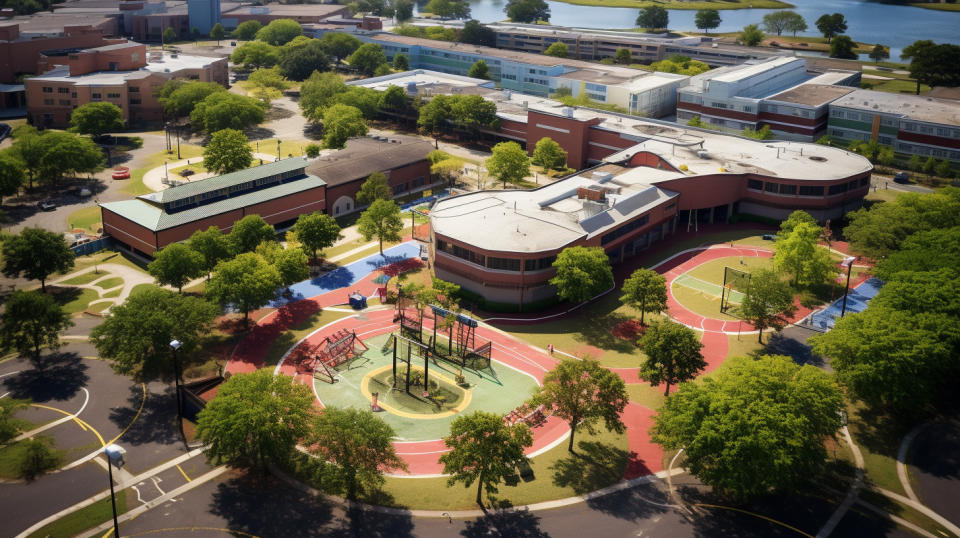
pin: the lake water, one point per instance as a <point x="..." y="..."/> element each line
<point x="895" y="26"/>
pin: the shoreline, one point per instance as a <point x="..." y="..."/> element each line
<point x="686" y="6"/>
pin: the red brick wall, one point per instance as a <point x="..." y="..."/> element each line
<point x="573" y="137"/>
<point x="907" y="136"/>
<point x="127" y="231"/>
<point x="22" y="56"/>
<point x="404" y="174"/>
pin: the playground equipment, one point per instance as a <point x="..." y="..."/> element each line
<point x="335" y="350"/>
<point x="462" y="339"/>
<point x="735" y="286"/>
<point x="404" y="350"/>
<point x="410" y="317"/>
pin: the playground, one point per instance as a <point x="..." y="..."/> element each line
<point x="711" y="288"/>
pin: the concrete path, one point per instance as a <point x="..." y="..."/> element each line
<point x="131" y="278"/>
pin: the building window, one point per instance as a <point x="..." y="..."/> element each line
<point x="788" y="189"/>
<point x="771" y="187"/>
<point x="95" y="96"/>
<point x="63" y="90"/>
<point x="397" y="189"/>
<point x="624" y="230"/>
<point x="47" y="89"/>
<point x="755" y="184"/>
<point x="134" y="89"/>
<point x="864" y="181"/>
<point x="837" y="189"/>
<point x="48" y="101"/>
<point x="134" y="101"/>
<point x="65" y="102"/>
<point x="503" y="264"/>
<point x="419" y="182"/>
<point x="811" y="191"/>
<point x="113" y="96"/>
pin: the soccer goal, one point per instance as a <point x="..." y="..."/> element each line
<point x="736" y="283"/>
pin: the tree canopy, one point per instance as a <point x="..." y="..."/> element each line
<point x="317" y="92"/>
<point x="484" y="449"/>
<point x="340" y="123"/>
<point x="843" y="47"/>
<point x="582" y="273"/>
<point x="458" y="9"/>
<point x="707" y="19"/>
<point x="249" y="232"/>
<point x="557" y="49"/>
<point x="340" y="44"/>
<point x="653" y="18"/>
<point x="751" y="35"/>
<point x="299" y="58"/>
<point x="49" y="155"/>
<point x="753" y="427"/>
<point x="11" y="174"/>
<point x="672" y="355"/>
<point x="831" y="25"/>
<point x="549" y="155"/>
<point x="381" y="220"/>
<point x="32" y="320"/>
<point x="225" y="110"/>
<point x="768" y="302"/>
<point x="479" y="69"/>
<point x="228" y="151"/>
<point x="36" y="254"/>
<point x="135" y="336"/>
<point x="374" y="188"/>
<point x="797" y="253"/>
<point x="247" y="30"/>
<point x="508" y="163"/>
<point x="217" y="32"/>
<point x="529" y="11"/>
<point x="777" y="22"/>
<point x="475" y="33"/>
<point x="179" y="98"/>
<point x="367" y="58"/>
<point x="255" y="54"/>
<point x="279" y="31"/>
<point x="645" y="290"/>
<point x="246" y="282"/>
<point x="97" y="118"/>
<point x="256" y="419"/>
<point x="316" y="231"/>
<point x="213" y="247"/>
<point x="583" y="393"/>
<point x="175" y="264"/>
<point x="933" y="64"/>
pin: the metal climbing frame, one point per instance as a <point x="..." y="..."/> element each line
<point x="335" y="350"/>
<point x="410" y="317"/>
<point x="462" y="335"/>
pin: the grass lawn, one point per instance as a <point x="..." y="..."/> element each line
<point x="700" y="302"/>
<point x="879" y="438"/>
<point x="894" y="86"/>
<point x="99" y="307"/>
<point x="344" y="247"/>
<point x="884" y="195"/>
<point x="198" y="288"/>
<point x="135" y="184"/>
<point x="111" y="294"/>
<point x="289" y="338"/>
<point x="731" y="4"/>
<point x="140" y="287"/>
<point x="10" y="455"/>
<point x="85" y="278"/>
<point x="712" y="271"/>
<point x="939" y="7"/>
<point x="890" y="506"/>
<point x="287" y="147"/>
<point x="104" y="256"/>
<point x="648" y="396"/>
<point x="73" y="300"/>
<point x="87" y="219"/>
<point x="83" y="519"/>
<point x="108" y="283"/>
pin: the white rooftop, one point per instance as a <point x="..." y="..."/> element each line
<point x="752" y="69"/>
<point x="916" y="107"/>
<point x="421" y="78"/>
<point x="168" y="64"/>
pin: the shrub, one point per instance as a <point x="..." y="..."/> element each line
<point x="313" y="150"/>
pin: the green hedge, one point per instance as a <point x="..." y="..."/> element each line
<point x="506" y="308"/>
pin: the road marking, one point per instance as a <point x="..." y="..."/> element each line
<point x="83" y="425"/>
<point x="184" y="473"/>
<point x="143" y="401"/>
<point x="4" y="395"/>
<point x="754" y="514"/>
<point x="11" y="373"/>
<point x="187" y="529"/>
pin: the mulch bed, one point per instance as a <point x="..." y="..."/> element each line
<point x="628" y="330"/>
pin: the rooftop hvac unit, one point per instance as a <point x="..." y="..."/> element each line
<point x="703" y="154"/>
<point x="411" y="87"/>
<point x="568" y="111"/>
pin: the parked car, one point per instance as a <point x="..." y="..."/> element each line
<point x="121" y="172"/>
<point x="46" y="205"/>
<point x="901" y="177"/>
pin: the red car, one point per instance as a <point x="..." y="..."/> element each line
<point x="121" y="172"/>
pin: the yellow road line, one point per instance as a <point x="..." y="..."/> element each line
<point x="184" y="473"/>
<point x="143" y="402"/>
<point x="761" y="516"/>
<point x="188" y="529"/>
<point x="80" y="422"/>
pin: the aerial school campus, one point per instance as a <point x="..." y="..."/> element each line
<point x="403" y="285"/>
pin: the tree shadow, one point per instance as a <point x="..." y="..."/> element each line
<point x="936" y="450"/>
<point x="367" y="523"/>
<point x="260" y="133"/>
<point x="595" y="466"/>
<point x="800" y="352"/>
<point x="598" y="331"/>
<point x="156" y="423"/>
<point x="63" y="294"/>
<point x="519" y="523"/>
<point x="55" y="376"/>
<point x="265" y="506"/>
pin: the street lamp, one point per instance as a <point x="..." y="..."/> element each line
<point x="848" y="262"/>
<point x="278" y="149"/>
<point x="175" y="345"/>
<point x="114" y="457"/>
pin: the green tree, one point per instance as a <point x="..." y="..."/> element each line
<point x="317" y="92"/>
<point x="943" y="169"/>
<point x="793" y="219"/>
<point x="359" y="444"/>
<point x="366" y="100"/>
<point x="29" y="150"/>
<point x="831" y="25"/>
<point x="622" y="56"/>
<point x="776" y="22"/>
<point x="225" y="110"/>
<point x="843" y="47"/>
<point x="583" y="393"/>
<point x="697" y="122"/>
<point x="10" y="426"/>
<point x="653" y="18"/>
<point x="798" y="254"/>
<point x="933" y="64"/>
<point x="97" y="119"/>
<point x="645" y="290"/>
<point x="212" y="246"/>
<point x="475" y="33"/>
<point x="879" y="52"/>
<point x="228" y="151"/>
<point x="435" y="115"/>
<point x="768" y="302"/>
<point x="557" y="49"/>
<point x="381" y="220"/>
<point x="707" y="19"/>
<point x="270" y="77"/>
<point x="179" y="98"/>
<point x="886" y="157"/>
<point x="339" y="44"/>
<point x="175" y="265"/>
<point x="925" y="250"/>
<point x="32" y="320"/>
<point x="374" y="188"/>
<point x="340" y="123"/>
<point x="474" y="113"/>
<point x="11" y="174"/>
<point x="479" y="70"/>
<point x="367" y="58"/>
<point x="672" y="355"/>
<point x="929" y="165"/>
<point x="135" y="336"/>
<point x="246" y="282"/>
<point x="247" y="30"/>
<point x="64" y="154"/>
<point x="549" y="155"/>
<point x="254" y="54"/>
<point x="217" y="33"/>
<point x="169" y="35"/>
<point x="36" y="254"/>
<point x="401" y="63"/>
<point x="316" y="231"/>
<point x="485" y="450"/>
<point x="508" y="163"/>
<point x="751" y="35"/>
<point x="754" y="427"/>
<point x="279" y="31"/>
<point x="459" y="9"/>
<point x="291" y="263"/>
<point x="762" y="133"/>
<point x="37" y="457"/>
<point x="394" y="98"/>
<point x="582" y="273"/>
<point x="249" y="232"/>
<point x="881" y="230"/>
<point x="195" y="34"/>
<point x="256" y="419"/>
<point x="914" y="163"/>
<point x="298" y="59"/>
<point x="403" y="10"/>
<point x="530" y="11"/>
<point x="312" y="150"/>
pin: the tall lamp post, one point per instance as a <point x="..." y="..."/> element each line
<point x="848" y="262"/>
<point x="114" y="457"/>
<point x="175" y="345"/>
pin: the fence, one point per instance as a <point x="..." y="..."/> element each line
<point x="91" y="247"/>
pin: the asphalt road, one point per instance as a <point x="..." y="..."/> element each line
<point x="934" y="461"/>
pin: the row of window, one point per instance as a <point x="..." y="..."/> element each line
<point x="232" y="190"/>
<point x="805" y="190"/>
<point x="624" y="230"/>
<point x="492" y="262"/>
<point x="928" y="151"/>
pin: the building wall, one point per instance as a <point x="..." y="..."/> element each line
<point x="906" y="135"/>
<point x="88" y="61"/>
<point x="570" y="133"/>
<point x="18" y="57"/>
<point x="128" y="232"/>
<point x="403" y="180"/>
<point x="203" y="14"/>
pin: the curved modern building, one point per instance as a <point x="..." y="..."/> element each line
<point x="501" y="244"/>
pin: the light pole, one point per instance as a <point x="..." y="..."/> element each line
<point x="175" y="345"/>
<point x="849" y="263"/>
<point x="114" y="457"/>
<point x="278" y="149"/>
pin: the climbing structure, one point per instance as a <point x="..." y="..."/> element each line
<point x="335" y="350"/>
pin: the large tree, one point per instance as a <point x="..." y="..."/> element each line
<point x="582" y="273"/>
<point x="66" y="153"/>
<point x="754" y="427"/>
<point x="249" y="232"/>
<point x="212" y="246"/>
<point x="645" y="290"/>
<point x="843" y="47"/>
<point x="707" y="19"/>
<point x="776" y="22"/>
<point x="480" y="70"/>
<point x="881" y="230"/>
<point x="549" y="155"/>
<point x="768" y="302"/>
<point x="508" y="163"/>
<point x="316" y="231"/>
<point x="557" y="49"/>
<point x="793" y="219"/>
<point x="484" y="449"/>
<point x="97" y="118"/>
<point x="933" y="64"/>
<point x="135" y="336"/>
<point x="317" y="92"/>
<point x="340" y="123"/>
<point x="175" y="265"/>
<point x="339" y="44"/>
<point x="475" y="33"/>
<point x="367" y="58"/>
<point x="28" y="149"/>
<point x="256" y="419"/>
<point x="11" y="174"/>
<point x="530" y="11"/>
<point x="228" y="151"/>
<point x="359" y="444"/>
<point x="11" y="426"/>
<point x="831" y="25"/>
<point x="279" y="31"/>
<point x="36" y="254"/>
<point x="751" y="35"/>
<point x="798" y="254"/>
<point x="435" y="115"/>
<point x="374" y="188"/>
<point x="217" y="33"/>
<point x="225" y="110"/>
<point x="31" y="320"/>
<point x="459" y="9"/>
<point x="246" y="282"/>
<point x="382" y="221"/>
<point x="179" y="98"/>
<point x="653" y="18"/>
<point x="255" y="54"/>
<point x="673" y="355"/>
<point x="290" y="262"/>
<point x="247" y="30"/>
<point x="474" y="113"/>
<point x="299" y="58"/>
<point x="583" y="393"/>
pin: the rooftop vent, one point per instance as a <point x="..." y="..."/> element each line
<point x="703" y="154"/>
<point x="568" y="112"/>
<point x="590" y="194"/>
<point x="818" y="158"/>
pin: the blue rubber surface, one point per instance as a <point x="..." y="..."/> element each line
<point x="857" y="301"/>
